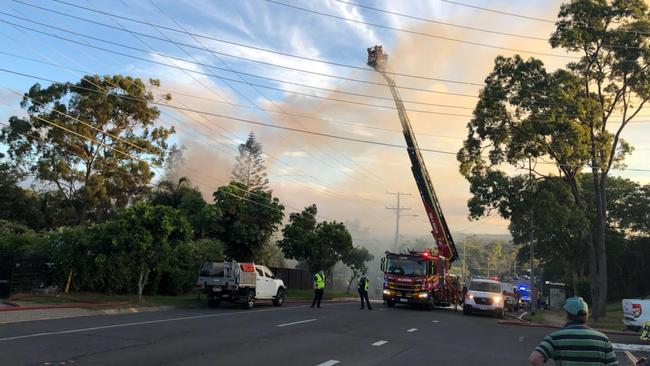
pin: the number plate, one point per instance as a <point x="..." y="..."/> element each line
<point x="216" y="289"/>
<point x="404" y="300"/>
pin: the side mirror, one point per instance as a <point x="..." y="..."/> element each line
<point x="383" y="264"/>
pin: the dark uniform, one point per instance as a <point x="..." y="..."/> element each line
<point x="319" y="287"/>
<point x="363" y="291"/>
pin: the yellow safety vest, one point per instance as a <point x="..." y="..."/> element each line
<point x="365" y="284"/>
<point x="645" y="334"/>
<point x="319" y="281"/>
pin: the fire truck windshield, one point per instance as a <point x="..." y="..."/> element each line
<point x="406" y="266"/>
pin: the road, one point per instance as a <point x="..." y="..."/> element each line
<point x="337" y="333"/>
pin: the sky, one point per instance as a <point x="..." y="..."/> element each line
<point x="213" y="56"/>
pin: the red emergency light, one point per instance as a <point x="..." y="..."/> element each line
<point x="426" y="254"/>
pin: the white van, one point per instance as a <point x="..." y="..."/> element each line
<point x="484" y="295"/>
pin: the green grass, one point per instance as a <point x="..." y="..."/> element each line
<point x="538" y="317"/>
<point x="309" y="294"/>
<point x="154" y="300"/>
<point x="612" y="320"/>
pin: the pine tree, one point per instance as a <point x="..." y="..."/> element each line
<point x="250" y="169"/>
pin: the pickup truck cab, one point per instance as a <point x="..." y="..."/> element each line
<point x="484" y="295"/>
<point x="240" y="283"/>
<point x="636" y="313"/>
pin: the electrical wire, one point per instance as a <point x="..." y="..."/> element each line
<point x="429" y="35"/>
<point x="345" y="138"/>
<point x="442" y="23"/>
<point x="499" y="11"/>
<point x="224" y="78"/>
<point x="53" y="124"/>
<point x="328" y="62"/>
<point x="360" y="168"/>
<point x="334" y="193"/>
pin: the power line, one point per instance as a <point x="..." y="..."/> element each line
<point x="229" y="79"/>
<point x="328" y="120"/>
<point x="148" y="163"/>
<point x="233" y="80"/>
<point x="429" y="35"/>
<point x="333" y="192"/>
<point x="442" y="23"/>
<point x="499" y="11"/>
<point x="253" y="103"/>
<point x="328" y="62"/>
<point x="345" y="138"/>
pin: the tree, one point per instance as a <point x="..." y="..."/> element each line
<point x="319" y="245"/>
<point x="89" y="142"/>
<point x="250" y="169"/>
<point x="356" y="260"/>
<point x="182" y="196"/>
<point x="149" y="235"/>
<point x="248" y="219"/>
<point x="17" y="204"/>
<point x="525" y="112"/>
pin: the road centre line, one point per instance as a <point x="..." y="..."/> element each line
<point x="80" y="330"/>
<point x="412" y="330"/>
<point x="298" y="322"/>
<point x="436" y="321"/>
<point x="329" y="363"/>
<point x="379" y="343"/>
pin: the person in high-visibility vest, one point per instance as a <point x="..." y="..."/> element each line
<point x="319" y="287"/>
<point x="645" y="332"/>
<point x="363" y="291"/>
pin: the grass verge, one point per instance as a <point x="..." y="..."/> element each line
<point x="154" y="300"/>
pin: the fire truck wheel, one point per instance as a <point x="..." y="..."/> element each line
<point x="390" y="303"/>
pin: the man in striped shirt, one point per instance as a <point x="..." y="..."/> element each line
<point x="575" y="344"/>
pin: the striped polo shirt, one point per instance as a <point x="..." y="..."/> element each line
<point x="577" y="345"/>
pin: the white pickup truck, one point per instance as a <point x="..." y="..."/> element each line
<point x="240" y="283"/>
<point x="636" y="312"/>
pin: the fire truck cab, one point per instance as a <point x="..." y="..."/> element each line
<point x="416" y="278"/>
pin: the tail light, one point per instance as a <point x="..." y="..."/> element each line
<point x="636" y="310"/>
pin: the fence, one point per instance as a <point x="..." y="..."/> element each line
<point x="295" y="279"/>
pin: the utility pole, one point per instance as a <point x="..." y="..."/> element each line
<point x="464" y="260"/>
<point x="398" y="213"/>
<point x="533" y="290"/>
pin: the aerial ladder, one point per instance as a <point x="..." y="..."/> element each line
<point x="413" y="277"/>
<point x="445" y="243"/>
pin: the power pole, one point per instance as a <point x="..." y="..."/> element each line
<point x="398" y="213"/>
<point x="533" y="290"/>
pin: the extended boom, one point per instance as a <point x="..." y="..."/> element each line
<point x="445" y="243"/>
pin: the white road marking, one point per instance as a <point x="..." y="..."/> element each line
<point x="630" y="347"/>
<point x="299" y="322"/>
<point x="379" y="343"/>
<point x="80" y="330"/>
<point x="412" y="330"/>
<point x="328" y="363"/>
<point x="436" y="321"/>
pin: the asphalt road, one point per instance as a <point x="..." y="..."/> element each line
<point x="337" y="333"/>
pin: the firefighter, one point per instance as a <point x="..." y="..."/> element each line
<point x="319" y="288"/>
<point x="363" y="290"/>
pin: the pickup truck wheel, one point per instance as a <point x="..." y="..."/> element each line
<point x="249" y="300"/>
<point x="279" y="298"/>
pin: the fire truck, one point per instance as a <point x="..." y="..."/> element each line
<point x="418" y="277"/>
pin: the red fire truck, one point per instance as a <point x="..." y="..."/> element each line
<point x="418" y="277"/>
